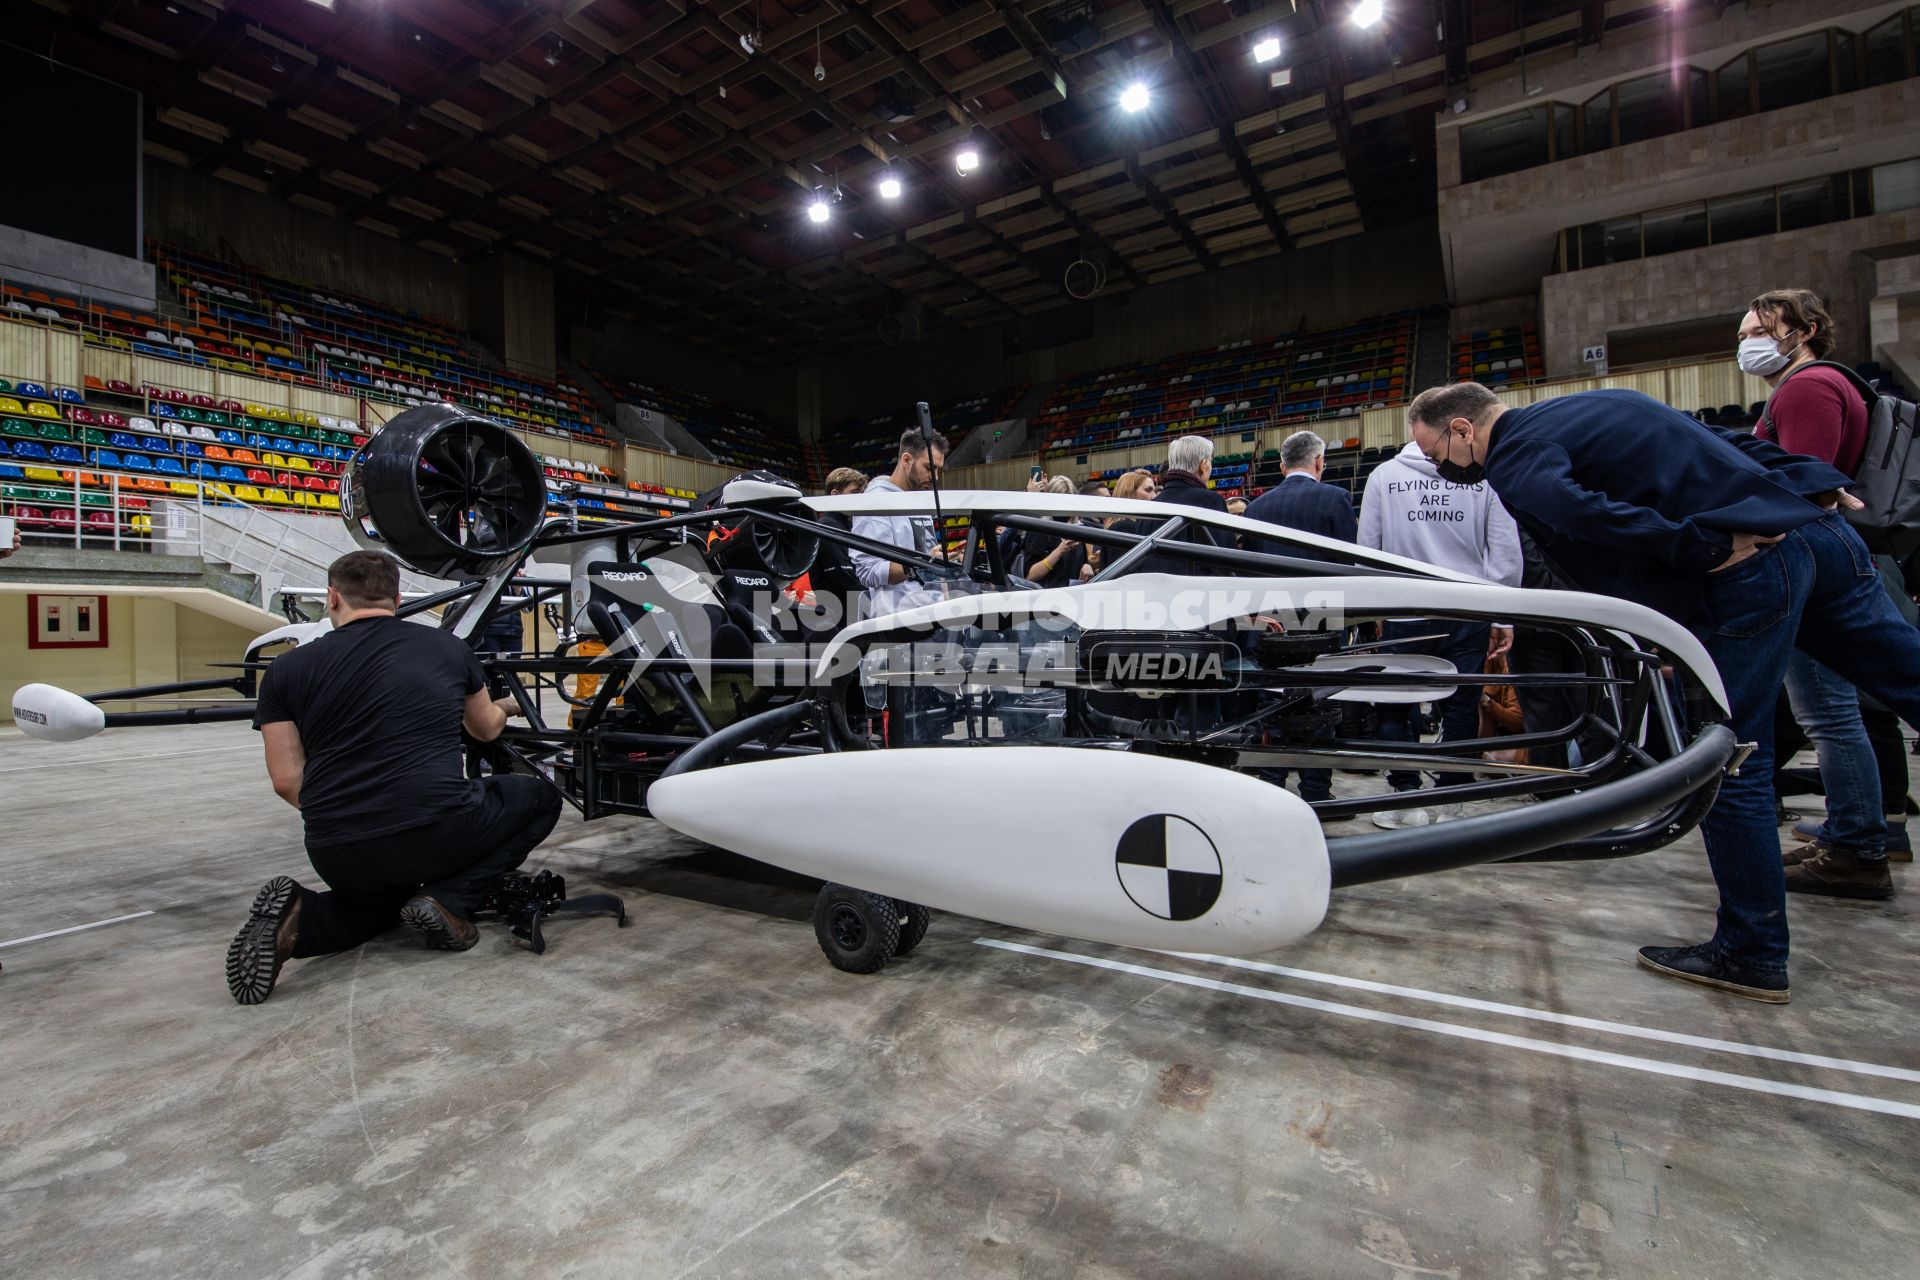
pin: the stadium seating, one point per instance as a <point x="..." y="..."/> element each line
<point x="736" y="437"/>
<point x="292" y="331"/>
<point x="1499" y="356"/>
<point x="869" y="444"/>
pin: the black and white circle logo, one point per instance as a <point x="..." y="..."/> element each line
<point x="1168" y="867"/>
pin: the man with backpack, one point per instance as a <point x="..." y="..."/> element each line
<point x="1821" y="409"/>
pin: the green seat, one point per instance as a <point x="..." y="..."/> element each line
<point x="20" y="427"/>
<point x="294" y="431"/>
<point x="213" y="418"/>
<point x="93" y="435"/>
<point x="193" y="415"/>
<point x="55" y="431"/>
<point x="96" y="499"/>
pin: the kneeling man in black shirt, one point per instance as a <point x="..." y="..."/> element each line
<point x="362" y="731"/>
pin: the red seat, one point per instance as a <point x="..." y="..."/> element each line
<point x="256" y="475"/>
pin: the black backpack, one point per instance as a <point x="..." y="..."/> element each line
<point x="1888" y="477"/>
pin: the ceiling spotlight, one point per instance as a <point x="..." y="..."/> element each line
<point x="1369" y="12"/>
<point x="967" y="159"/>
<point x="889" y="187"/>
<point x="819" y="211"/>
<point x="1267" y="50"/>
<point x="1135" y="97"/>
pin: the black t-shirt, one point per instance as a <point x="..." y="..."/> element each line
<point x="1039" y="544"/>
<point x="378" y="704"/>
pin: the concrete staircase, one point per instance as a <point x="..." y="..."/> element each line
<point x="133" y="570"/>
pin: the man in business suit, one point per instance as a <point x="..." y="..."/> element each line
<point x="1729" y="535"/>
<point x="1302" y="501"/>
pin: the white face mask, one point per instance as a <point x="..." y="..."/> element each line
<point x="1762" y="357"/>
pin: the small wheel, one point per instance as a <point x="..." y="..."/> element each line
<point x="858" y="930"/>
<point x="914" y="920"/>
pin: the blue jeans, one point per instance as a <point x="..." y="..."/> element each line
<point x="1828" y="709"/>
<point x="1819" y="584"/>
<point x="1465" y="646"/>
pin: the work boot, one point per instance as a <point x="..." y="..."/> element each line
<point x="443" y="930"/>
<point x="265" y="942"/>
<point x="1703" y="964"/>
<point x="1899" y="845"/>
<point x="1839" y="873"/>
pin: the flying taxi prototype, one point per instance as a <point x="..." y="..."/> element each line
<point x="1121" y="736"/>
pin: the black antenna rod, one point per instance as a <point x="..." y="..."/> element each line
<point x="933" y="472"/>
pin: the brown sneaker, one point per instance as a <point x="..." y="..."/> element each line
<point x="443" y="930"/>
<point x="1838" y="873"/>
<point x="265" y="941"/>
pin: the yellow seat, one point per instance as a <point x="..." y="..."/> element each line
<point x="255" y="411"/>
<point x="330" y="502"/>
<point x="274" y="460"/>
<point x="46" y="475"/>
<point x="244" y="493"/>
<point x="297" y="463"/>
<point x="279" y="496"/>
<point x="182" y="488"/>
<point x="41" y="409"/>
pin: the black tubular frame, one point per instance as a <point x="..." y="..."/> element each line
<point x="1622" y="799"/>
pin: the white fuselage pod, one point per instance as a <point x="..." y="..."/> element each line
<point x="1102" y="845"/>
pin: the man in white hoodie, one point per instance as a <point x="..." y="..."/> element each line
<point x="1409" y="510"/>
<point x="890" y="585"/>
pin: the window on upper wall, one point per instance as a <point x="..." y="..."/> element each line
<point x="1504" y="144"/>
<point x="1615" y="241"/>
<point x="1671" y="230"/>
<point x="1597" y="122"/>
<point x="1814" y="203"/>
<point x="1645" y="108"/>
<point x="1741" y="217"/>
<point x="1846" y="65"/>
<point x="1896" y="186"/>
<point x="1793" y="71"/>
<point x="1887" y="51"/>
<point x="1699" y="98"/>
<point x="1733" y="88"/>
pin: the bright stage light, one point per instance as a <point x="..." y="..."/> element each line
<point x="1267" y="50"/>
<point x="967" y="160"/>
<point x="889" y="188"/>
<point x="818" y="211"/>
<point x="1135" y="97"/>
<point x="1369" y="12"/>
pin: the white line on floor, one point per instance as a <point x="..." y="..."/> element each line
<point x="1652" y="1066"/>
<point x="54" y="933"/>
<point x="1562" y="1019"/>
<point x="105" y="761"/>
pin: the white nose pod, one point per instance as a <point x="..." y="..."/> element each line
<point x="51" y="714"/>
<point x="1102" y="845"/>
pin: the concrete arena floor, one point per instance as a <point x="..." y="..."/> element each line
<point x="701" y="1095"/>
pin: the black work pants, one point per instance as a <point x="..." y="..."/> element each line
<point x="455" y="860"/>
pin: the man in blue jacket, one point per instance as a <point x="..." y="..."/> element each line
<point x="1727" y="534"/>
<point x="1302" y="501"/>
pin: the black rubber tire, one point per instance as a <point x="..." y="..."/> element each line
<point x="914" y="920"/>
<point x="449" y="493"/>
<point x="857" y="930"/>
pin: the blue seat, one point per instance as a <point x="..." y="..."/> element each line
<point x="11" y="472"/>
<point x="67" y="395"/>
<point x="283" y="445"/>
<point x="161" y="409"/>
<point x="205" y="470"/>
<point x="231" y="473"/>
<point x="4" y="450"/>
<point x="169" y="466"/>
<point x="67" y="453"/>
<point x="257" y="441"/>
<point x="137" y="462"/>
<point x="306" y="449"/>
<point x="190" y="449"/>
<point x="32" y="390"/>
<point x="121" y="440"/>
<point x="32" y="450"/>
<point x="108" y="458"/>
<point x="152" y="444"/>
<point x="230" y="437"/>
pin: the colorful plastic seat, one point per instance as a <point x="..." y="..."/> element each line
<point x="33" y="389"/>
<point x="231" y="473"/>
<point x="137" y="462"/>
<point x="41" y="409"/>
<point x="170" y="466"/>
<point x="67" y="395"/>
<point x="67" y="453"/>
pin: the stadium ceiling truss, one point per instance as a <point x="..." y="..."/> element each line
<point x="669" y="148"/>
